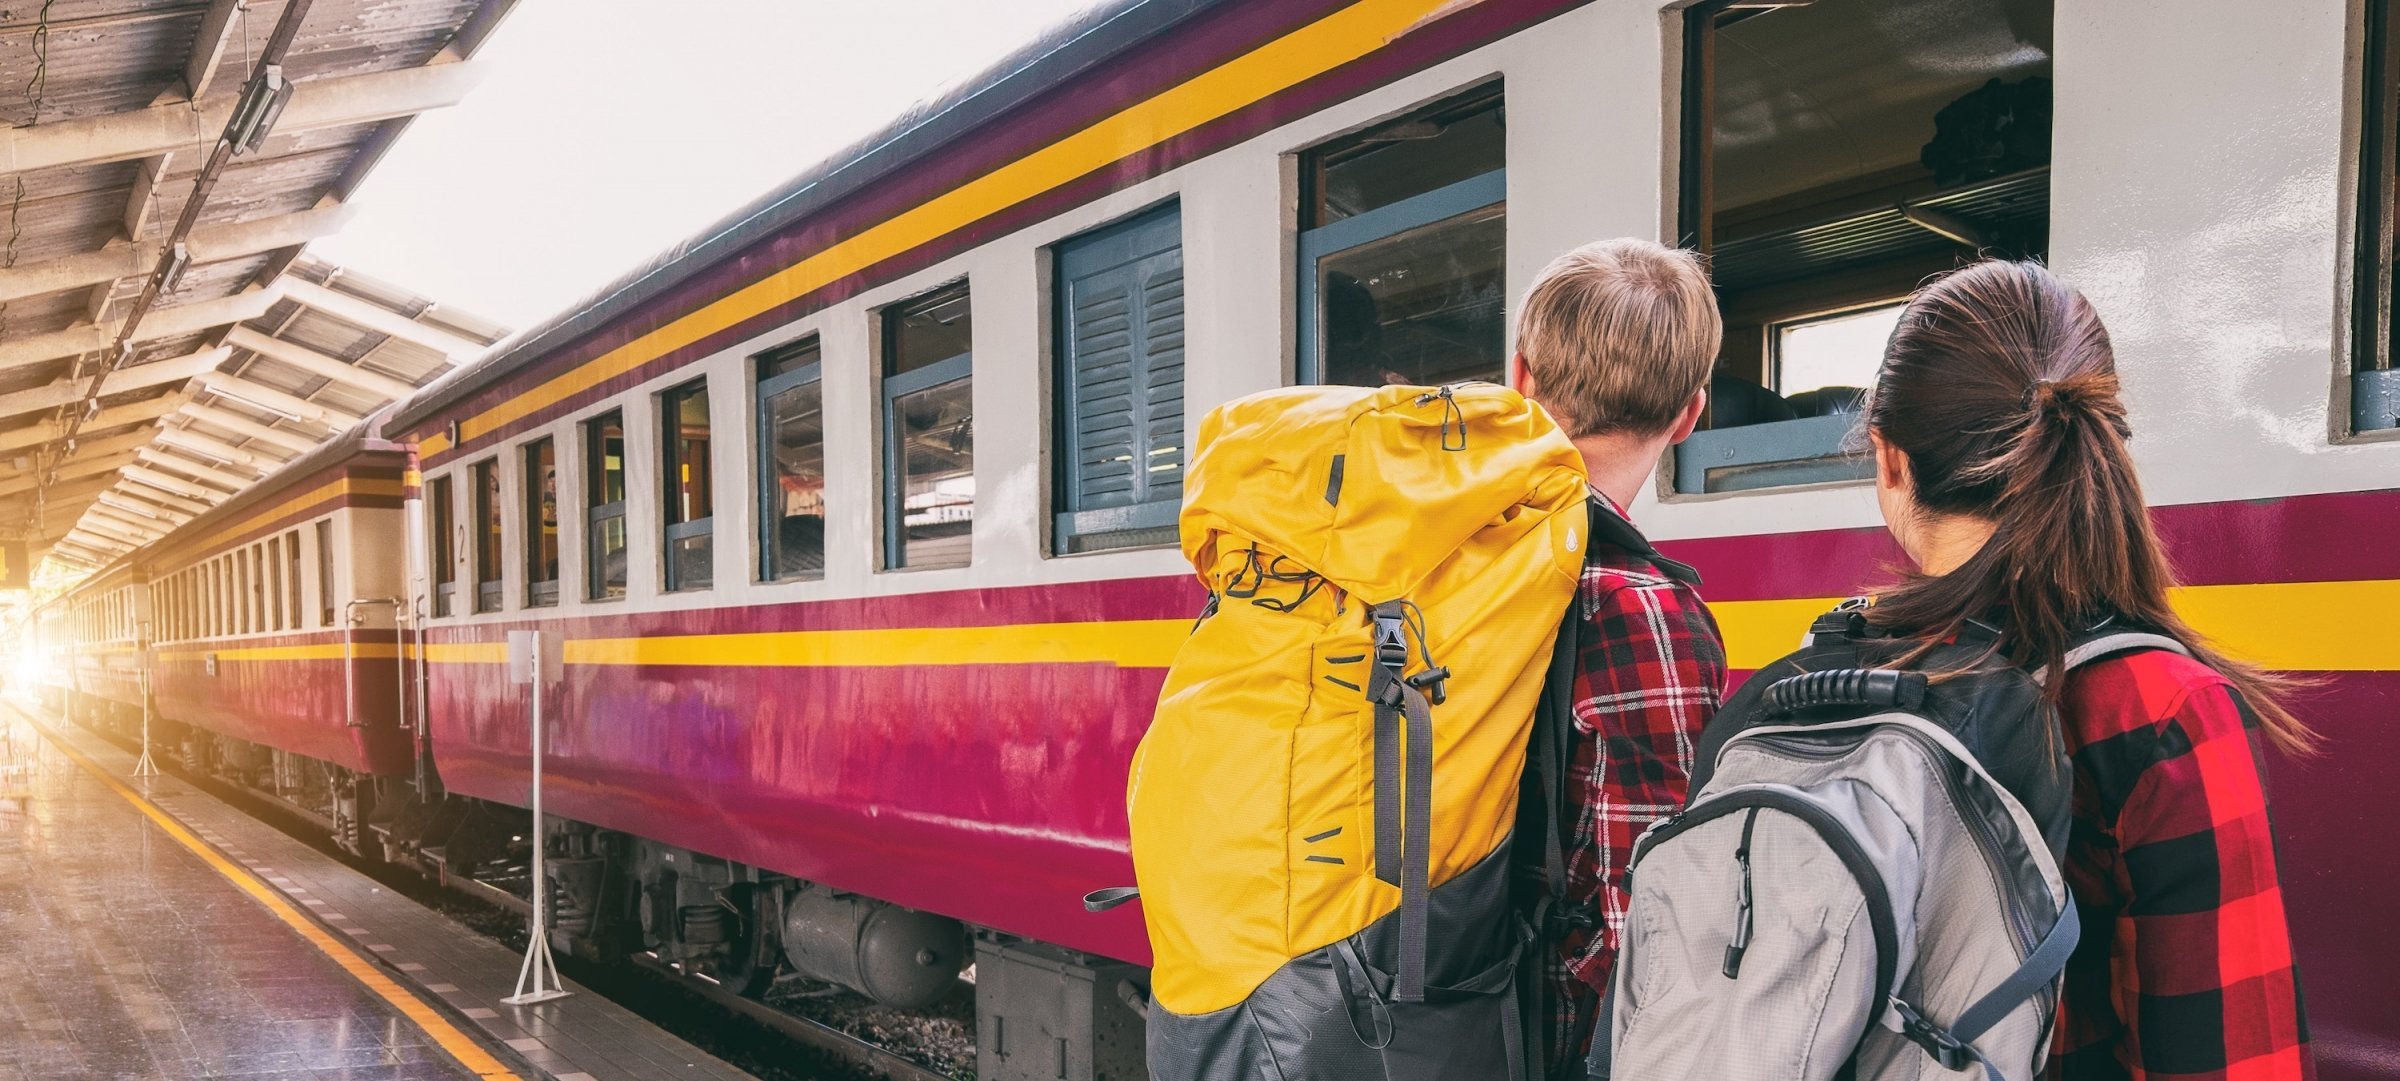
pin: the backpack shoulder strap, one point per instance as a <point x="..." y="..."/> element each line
<point x="2114" y="643"/>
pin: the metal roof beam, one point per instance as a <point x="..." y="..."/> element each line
<point x="319" y="364"/>
<point x="143" y="493"/>
<point x="227" y="385"/>
<point x="150" y="511"/>
<point x="216" y="32"/>
<point x="170" y="322"/>
<point x="80" y="467"/>
<point x="61" y="496"/>
<point x="116" y="416"/>
<point x="116" y="529"/>
<point x="156" y="373"/>
<point x="316" y="103"/>
<point x="220" y="450"/>
<point x="208" y="244"/>
<point x="298" y="442"/>
<point x="169" y="482"/>
<point x="223" y="478"/>
<point x="127" y="521"/>
<point x="452" y="345"/>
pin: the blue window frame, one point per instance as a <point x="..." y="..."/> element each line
<point x="1812" y="230"/>
<point x="791" y="463"/>
<point x="1403" y="244"/>
<point x="689" y="487"/>
<point x="929" y="431"/>
<point x="1119" y="319"/>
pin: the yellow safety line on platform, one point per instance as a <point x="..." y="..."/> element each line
<point x="458" y="1044"/>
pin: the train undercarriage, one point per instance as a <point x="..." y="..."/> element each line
<point x="1042" y="1013"/>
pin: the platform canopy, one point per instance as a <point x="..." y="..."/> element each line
<point x="165" y="340"/>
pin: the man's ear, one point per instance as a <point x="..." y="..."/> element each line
<point x="1689" y="419"/>
<point x="1517" y="376"/>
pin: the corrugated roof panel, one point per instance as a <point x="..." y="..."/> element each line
<point x="89" y="67"/>
<point x="345" y="37"/>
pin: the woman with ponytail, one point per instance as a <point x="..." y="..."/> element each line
<point x="2003" y="473"/>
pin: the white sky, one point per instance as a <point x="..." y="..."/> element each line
<point x="606" y="130"/>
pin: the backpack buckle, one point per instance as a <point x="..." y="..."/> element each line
<point x="1391" y="642"/>
<point x="1937" y="1041"/>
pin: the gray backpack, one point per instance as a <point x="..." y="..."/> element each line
<point x="1866" y="882"/>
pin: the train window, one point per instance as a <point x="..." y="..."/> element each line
<point x="324" y="533"/>
<point x="275" y="578"/>
<point x="2375" y="375"/>
<point x="1402" y="248"/>
<point x="604" y="506"/>
<point x="1835" y="154"/>
<point x="291" y="572"/>
<point x="690" y="490"/>
<point x="241" y="593"/>
<point x="791" y="462"/>
<point x="259" y="567"/>
<point x="540" y="478"/>
<point x="441" y="512"/>
<point x="929" y="431"/>
<point x="1120" y="379"/>
<point x="484" y="478"/>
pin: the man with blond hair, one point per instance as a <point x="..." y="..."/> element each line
<point x="1616" y="340"/>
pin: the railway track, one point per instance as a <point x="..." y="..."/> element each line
<point x="632" y="982"/>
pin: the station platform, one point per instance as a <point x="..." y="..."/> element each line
<point x="160" y="933"/>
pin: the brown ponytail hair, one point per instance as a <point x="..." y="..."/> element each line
<point x="2000" y="387"/>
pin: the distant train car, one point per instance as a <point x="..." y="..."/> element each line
<point x="264" y="632"/>
<point x="277" y="629"/>
<point x="103" y="676"/>
<point x="854" y="516"/>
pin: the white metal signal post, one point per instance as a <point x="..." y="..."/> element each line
<point x="537" y="979"/>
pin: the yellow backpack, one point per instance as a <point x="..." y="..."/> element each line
<point x="1322" y="808"/>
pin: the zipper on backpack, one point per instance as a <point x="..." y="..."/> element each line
<point x="1742" y="898"/>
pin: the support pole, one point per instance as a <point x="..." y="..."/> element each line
<point x="537" y="978"/>
<point x="144" y="767"/>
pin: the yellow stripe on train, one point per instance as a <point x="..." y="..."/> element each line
<point x="2294" y="626"/>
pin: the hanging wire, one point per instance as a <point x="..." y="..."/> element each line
<point x="34" y="87"/>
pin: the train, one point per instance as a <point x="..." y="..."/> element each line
<point x="852" y="518"/>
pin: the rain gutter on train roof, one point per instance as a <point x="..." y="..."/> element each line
<point x="1052" y="60"/>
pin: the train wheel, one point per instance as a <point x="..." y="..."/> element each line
<point x="754" y="953"/>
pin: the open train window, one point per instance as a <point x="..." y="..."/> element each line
<point x="604" y="506"/>
<point x="442" y="518"/>
<point x="484" y="478"/>
<point x="1119" y="319"/>
<point x="791" y="462"/>
<point x="929" y="431"/>
<point x="540" y="478"/>
<point x="2375" y="370"/>
<point x="274" y="567"/>
<point x="1835" y="154"/>
<point x="325" y="569"/>
<point x="690" y="488"/>
<point x="291" y="555"/>
<point x="1403" y="245"/>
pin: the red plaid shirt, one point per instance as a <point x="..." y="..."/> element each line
<point x="2185" y="968"/>
<point x="1649" y="672"/>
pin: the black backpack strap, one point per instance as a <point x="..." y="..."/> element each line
<point x="1954" y="1046"/>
